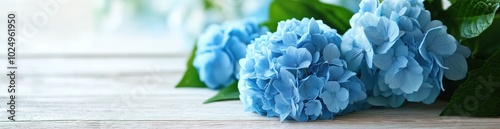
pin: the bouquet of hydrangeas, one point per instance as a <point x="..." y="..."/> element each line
<point x="317" y="60"/>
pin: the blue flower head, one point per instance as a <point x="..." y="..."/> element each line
<point x="298" y="73"/>
<point x="401" y="54"/>
<point x="220" y="48"/>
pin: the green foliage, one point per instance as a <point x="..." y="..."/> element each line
<point x="485" y="44"/>
<point x="334" y="16"/>
<point x="475" y="24"/>
<point x="471" y="17"/>
<point x="191" y="77"/>
<point x="229" y="93"/>
<point x="479" y="95"/>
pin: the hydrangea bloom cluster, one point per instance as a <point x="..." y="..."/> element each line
<point x="400" y="53"/>
<point x="297" y="73"/>
<point x="220" y="48"/>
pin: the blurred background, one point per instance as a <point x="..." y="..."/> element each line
<point x="101" y="27"/>
<point x="68" y="38"/>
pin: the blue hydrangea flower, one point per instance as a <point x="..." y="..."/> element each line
<point x="401" y="54"/>
<point x="220" y="48"/>
<point x="297" y="73"/>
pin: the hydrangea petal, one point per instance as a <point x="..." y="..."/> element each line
<point x="331" y="52"/>
<point x="313" y="27"/>
<point x="439" y="42"/>
<point x="205" y="62"/>
<point x="421" y="94"/>
<point x="285" y="84"/>
<point x="313" y="107"/>
<point x="354" y="58"/>
<point x="295" y="58"/>
<point x="384" y="61"/>
<point x="311" y="87"/>
<point x="457" y="67"/>
<point x="290" y="38"/>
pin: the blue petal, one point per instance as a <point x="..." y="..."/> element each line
<point x="313" y="27"/>
<point x="374" y="36"/>
<point x="432" y="25"/>
<point x="328" y="100"/>
<point x="319" y="40"/>
<point x="305" y="38"/>
<point x="331" y="52"/>
<point x="347" y="75"/>
<point x="457" y="67"/>
<point x="347" y="43"/>
<point x="421" y="94"/>
<point x="408" y="81"/>
<point x="323" y="71"/>
<point x="397" y="66"/>
<point x="433" y="95"/>
<point x="290" y="38"/>
<point x="213" y="36"/>
<point x="239" y="32"/>
<point x="270" y="91"/>
<point x="235" y="49"/>
<point x="295" y="58"/>
<point x="384" y="35"/>
<point x="354" y="58"/>
<point x="378" y="101"/>
<point x="342" y="95"/>
<point x="333" y="37"/>
<point x="310" y="47"/>
<point x="463" y="50"/>
<point x="396" y="101"/>
<point x="262" y="67"/>
<point x="285" y="84"/>
<point x="424" y="18"/>
<point x="368" y="5"/>
<point x="311" y="87"/>
<point x="215" y="68"/>
<point x="336" y="72"/>
<point x="247" y="68"/>
<point x="439" y="61"/>
<point x="282" y="107"/>
<point x="439" y="42"/>
<point x="384" y="61"/>
<point x="332" y="86"/>
<point x="368" y="19"/>
<point x="356" y="90"/>
<point x="401" y="50"/>
<point x="304" y="58"/>
<point x="313" y="107"/>
<point x="326" y="114"/>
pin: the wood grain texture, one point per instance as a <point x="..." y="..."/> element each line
<point x="136" y="97"/>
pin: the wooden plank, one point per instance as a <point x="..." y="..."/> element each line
<point x="184" y="108"/>
<point x="99" y="66"/>
<point x="232" y="124"/>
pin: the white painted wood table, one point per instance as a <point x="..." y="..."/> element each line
<point x="138" y="92"/>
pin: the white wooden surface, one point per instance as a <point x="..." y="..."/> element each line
<point x="139" y="93"/>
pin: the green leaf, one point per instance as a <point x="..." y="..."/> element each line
<point x="229" y="93"/>
<point x="485" y="44"/>
<point x="336" y="17"/>
<point x="191" y="77"/>
<point x="471" y="17"/>
<point x="479" y="95"/>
